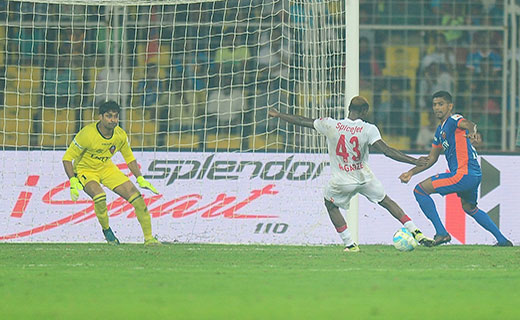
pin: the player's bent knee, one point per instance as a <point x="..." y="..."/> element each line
<point x="470" y="208"/>
<point x="126" y="190"/>
<point x="419" y="191"/>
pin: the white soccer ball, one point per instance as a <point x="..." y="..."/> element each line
<point x="403" y="240"/>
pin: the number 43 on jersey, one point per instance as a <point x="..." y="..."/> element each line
<point x="342" y="151"/>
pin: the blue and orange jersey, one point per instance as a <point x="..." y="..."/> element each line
<point x="460" y="154"/>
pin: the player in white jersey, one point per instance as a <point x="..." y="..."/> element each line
<point x="348" y="144"/>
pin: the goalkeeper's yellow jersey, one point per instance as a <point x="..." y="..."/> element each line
<point x="90" y="150"/>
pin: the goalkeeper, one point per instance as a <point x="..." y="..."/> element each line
<point x="88" y="164"/>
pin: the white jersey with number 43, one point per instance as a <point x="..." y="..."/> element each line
<point x="348" y="142"/>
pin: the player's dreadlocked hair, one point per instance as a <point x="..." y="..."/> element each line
<point x="109" y="106"/>
<point x="443" y="94"/>
<point x="358" y="104"/>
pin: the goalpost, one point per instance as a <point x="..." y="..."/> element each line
<point x="195" y="80"/>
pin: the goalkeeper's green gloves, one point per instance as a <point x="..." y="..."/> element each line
<point x="75" y="186"/>
<point x="145" y="184"/>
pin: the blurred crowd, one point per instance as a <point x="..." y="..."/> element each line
<point x="205" y="66"/>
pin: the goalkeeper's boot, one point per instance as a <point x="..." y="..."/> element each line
<point x="507" y="243"/>
<point x="352" y="248"/>
<point x="152" y="242"/>
<point x="422" y="239"/>
<point x="110" y="237"/>
<point x="440" y="239"/>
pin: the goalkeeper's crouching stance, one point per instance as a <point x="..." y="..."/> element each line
<point x="87" y="164"/>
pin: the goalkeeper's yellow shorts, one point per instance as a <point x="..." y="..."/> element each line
<point x="109" y="176"/>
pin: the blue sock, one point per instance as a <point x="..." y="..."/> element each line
<point x="485" y="221"/>
<point x="428" y="207"/>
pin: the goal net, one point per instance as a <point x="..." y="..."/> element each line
<point x="195" y="80"/>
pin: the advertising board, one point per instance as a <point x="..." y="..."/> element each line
<point x="238" y="198"/>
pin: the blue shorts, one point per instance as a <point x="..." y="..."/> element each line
<point x="465" y="186"/>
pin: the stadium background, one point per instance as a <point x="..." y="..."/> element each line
<point x="196" y="79"/>
<point x="52" y="58"/>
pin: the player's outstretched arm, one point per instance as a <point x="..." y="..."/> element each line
<point x="393" y="153"/>
<point x="471" y="128"/>
<point x="431" y="160"/>
<point x="141" y="181"/>
<point x="297" y="120"/>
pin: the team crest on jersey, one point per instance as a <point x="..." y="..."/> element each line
<point x="456" y="116"/>
<point x="443" y="135"/>
<point x="112" y="149"/>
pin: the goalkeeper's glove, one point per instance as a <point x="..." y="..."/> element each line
<point x="145" y="184"/>
<point x="75" y="186"/>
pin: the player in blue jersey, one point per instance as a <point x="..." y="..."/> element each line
<point x="455" y="136"/>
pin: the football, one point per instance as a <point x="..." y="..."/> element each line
<point x="403" y="240"/>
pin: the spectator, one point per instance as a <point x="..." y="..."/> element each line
<point x="395" y="113"/>
<point x="233" y="54"/>
<point x="151" y="87"/>
<point x="366" y="18"/>
<point x="190" y="75"/>
<point x="442" y="54"/>
<point x="77" y="39"/>
<point x="451" y="17"/>
<point x="435" y="78"/>
<point x="225" y="106"/>
<point x="494" y="11"/>
<point x="180" y="114"/>
<point x="60" y="84"/>
<point x="273" y="56"/>
<point x="486" y="89"/>
<point x="266" y="52"/>
<point x="266" y="96"/>
<point x="30" y="43"/>
<point x="481" y="51"/>
<point x="476" y="16"/>
<point x="517" y="146"/>
<point x="111" y="85"/>
<point x="488" y="124"/>
<point x="365" y="59"/>
<point x="426" y="132"/>
<point x="368" y="65"/>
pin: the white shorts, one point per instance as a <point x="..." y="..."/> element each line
<point x="341" y="193"/>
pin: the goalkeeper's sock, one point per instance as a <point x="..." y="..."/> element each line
<point x="428" y="207"/>
<point x="485" y="221"/>
<point x="100" y="208"/>
<point x="345" y="235"/>
<point x="142" y="214"/>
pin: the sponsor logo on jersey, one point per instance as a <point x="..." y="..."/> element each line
<point x="445" y="144"/>
<point x="343" y="127"/>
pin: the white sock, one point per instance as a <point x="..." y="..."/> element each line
<point x="346" y="236"/>
<point x="410" y="226"/>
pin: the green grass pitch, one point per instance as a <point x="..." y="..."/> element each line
<point x="188" y="281"/>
